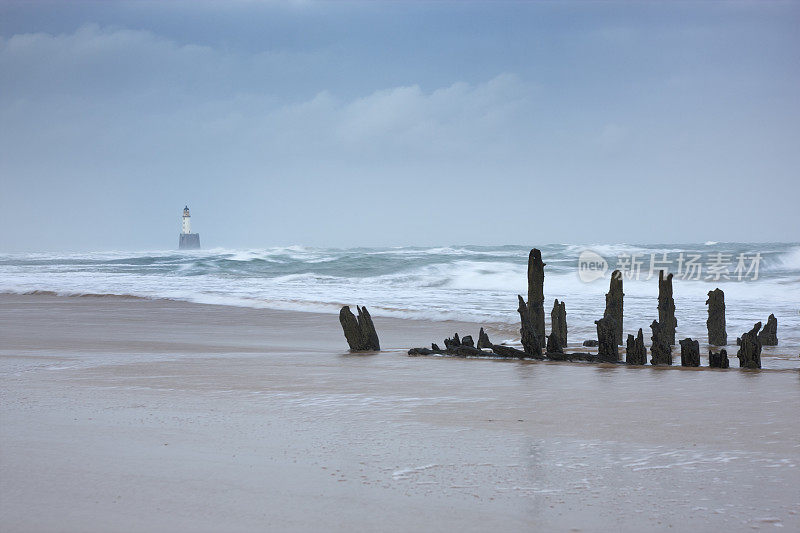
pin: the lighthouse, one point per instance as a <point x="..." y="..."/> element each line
<point x="188" y="240"/>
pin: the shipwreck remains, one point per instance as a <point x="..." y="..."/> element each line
<point x="660" y="350"/>
<point x="614" y="305"/>
<point x="455" y="347"/>
<point x="769" y="335"/>
<point x="717" y="336"/>
<point x="749" y="353"/>
<point x="536" y="291"/>
<point x="635" y="350"/>
<point x="359" y="332"/>
<point x="690" y="352"/>
<point x="666" y="308"/>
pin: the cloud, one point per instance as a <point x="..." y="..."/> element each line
<point x="111" y="87"/>
<point x="97" y="62"/>
<point x="457" y="117"/>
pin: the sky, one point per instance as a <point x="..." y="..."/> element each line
<point x="397" y="123"/>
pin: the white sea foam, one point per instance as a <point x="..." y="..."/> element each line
<point x="444" y="283"/>
<point x="790" y="260"/>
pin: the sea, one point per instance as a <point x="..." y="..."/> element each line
<point x="466" y="283"/>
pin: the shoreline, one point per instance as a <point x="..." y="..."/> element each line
<point x="206" y="328"/>
<point x="402" y="334"/>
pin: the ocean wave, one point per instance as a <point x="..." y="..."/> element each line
<point x="789" y="260"/>
<point x="470" y="283"/>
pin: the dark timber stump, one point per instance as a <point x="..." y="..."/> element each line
<point x="690" y="352"/>
<point x="536" y="291"/>
<point x="666" y="308"/>
<point x="530" y="340"/>
<point x="450" y="344"/>
<point x="508" y="351"/>
<point x="718" y="360"/>
<point x="553" y="344"/>
<point x="614" y="299"/>
<point x="717" y="336"/>
<point x="635" y="351"/>
<point x="558" y="323"/>
<point x="483" y="340"/>
<point x="749" y="353"/>
<point x="660" y="351"/>
<point x="359" y="332"/>
<point x="607" y="344"/>
<point x="769" y="335"/>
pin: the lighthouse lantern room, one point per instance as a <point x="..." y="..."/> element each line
<point x="188" y="240"/>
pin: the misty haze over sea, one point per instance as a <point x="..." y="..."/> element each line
<point x="470" y="283"/>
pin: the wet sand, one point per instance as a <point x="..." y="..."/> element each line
<point x="126" y="415"/>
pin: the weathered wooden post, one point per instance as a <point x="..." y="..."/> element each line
<point x="717" y="336"/>
<point x="666" y="308"/>
<point x="530" y="340"/>
<point x="359" y="332"/>
<point x="536" y="291"/>
<point x="690" y="352"/>
<point x="613" y="310"/>
<point x="769" y="335"/>
<point x="635" y="350"/>
<point x="660" y="350"/>
<point x="558" y="322"/>
<point x="718" y="360"/>
<point x="606" y="342"/>
<point x="483" y="340"/>
<point x="451" y="343"/>
<point x="553" y="344"/>
<point x="749" y="353"/>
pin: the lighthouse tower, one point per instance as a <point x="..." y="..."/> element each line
<point x="186" y="225"/>
<point x="188" y="240"/>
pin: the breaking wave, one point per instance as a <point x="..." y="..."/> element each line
<point x="473" y="283"/>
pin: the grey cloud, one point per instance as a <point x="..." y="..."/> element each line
<point x="133" y="81"/>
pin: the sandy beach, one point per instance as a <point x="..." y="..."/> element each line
<point x="126" y="414"/>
